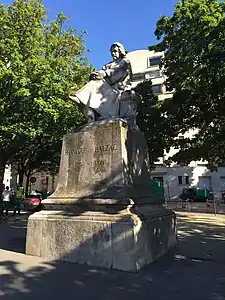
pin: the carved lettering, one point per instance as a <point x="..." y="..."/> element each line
<point x="97" y="149"/>
<point x="113" y="147"/>
<point x="75" y="151"/>
<point x="95" y="163"/>
<point x="105" y="148"/>
<point x="79" y="163"/>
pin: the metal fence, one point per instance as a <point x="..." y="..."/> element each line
<point x="215" y="206"/>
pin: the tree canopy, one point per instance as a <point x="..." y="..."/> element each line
<point x="153" y="122"/>
<point x="40" y="61"/>
<point x="193" y="39"/>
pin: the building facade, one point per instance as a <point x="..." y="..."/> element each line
<point x="38" y="181"/>
<point x="7" y="181"/>
<point x="146" y="65"/>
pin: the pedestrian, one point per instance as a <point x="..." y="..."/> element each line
<point x="18" y="200"/>
<point x="6" y="197"/>
<point x="44" y="192"/>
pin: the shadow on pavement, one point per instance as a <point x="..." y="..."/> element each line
<point x="194" y="270"/>
<point x="13" y="234"/>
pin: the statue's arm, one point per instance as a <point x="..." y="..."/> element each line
<point x="118" y="72"/>
<point x="113" y="74"/>
<point x="97" y="75"/>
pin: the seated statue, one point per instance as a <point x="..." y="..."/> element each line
<point x="108" y="94"/>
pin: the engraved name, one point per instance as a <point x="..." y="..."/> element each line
<point x="97" y="149"/>
<point x="105" y="148"/>
<point x="75" y="151"/>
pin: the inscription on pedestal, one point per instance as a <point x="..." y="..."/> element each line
<point x="105" y="148"/>
<point x="98" y="163"/>
<point x="97" y="149"/>
<point x="95" y="163"/>
<point x="75" y="151"/>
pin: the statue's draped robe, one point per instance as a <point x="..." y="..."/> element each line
<point x="104" y="95"/>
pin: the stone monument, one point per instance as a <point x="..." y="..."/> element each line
<point x="103" y="211"/>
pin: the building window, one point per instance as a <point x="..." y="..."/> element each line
<point x="204" y="182"/>
<point x="159" y="178"/>
<point x="222" y="182"/>
<point x="183" y="180"/>
<point x="180" y="179"/>
<point x="182" y="164"/>
<point x="153" y="74"/>
<point x="138" y="77"/>
<point x="154" y="61"/>
<point x="157" y="89"/>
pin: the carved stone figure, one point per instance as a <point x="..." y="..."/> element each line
<point x="108" y="94"/>
<point x="104" y="211"/>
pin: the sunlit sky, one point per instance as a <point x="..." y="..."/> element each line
<point x="131" y="22"/>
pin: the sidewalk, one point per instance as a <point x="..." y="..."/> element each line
<point x="198" y="207"/>
<point x="202" y="236"/>
<point x="194" y="270"/>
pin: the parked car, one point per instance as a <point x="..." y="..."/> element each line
<point x="196" y="194"/>
<point x="32" y="203"/>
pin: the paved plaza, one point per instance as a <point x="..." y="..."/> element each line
<point x="195" y="269"/>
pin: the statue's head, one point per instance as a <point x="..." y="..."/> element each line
<point x="117" y="51"/>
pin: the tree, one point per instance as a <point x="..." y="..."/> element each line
<point x="153" y="123"/>
<point x="40" y="61"/>
<point x="193" y="40"/>
<point x="36" y="155"/>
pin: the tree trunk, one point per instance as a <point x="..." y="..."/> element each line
<point x="21" y="176"/>
<point x="27" y="182"/>
<point x="3" y="161"/>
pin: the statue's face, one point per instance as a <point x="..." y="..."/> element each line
<point x="115" y="52"/>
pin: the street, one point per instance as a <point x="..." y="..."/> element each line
<point x="195" y="269"/>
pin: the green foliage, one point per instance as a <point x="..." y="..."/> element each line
<point x="40" y="61"/>
<point x="152" y="122"/>
<point x="37" y="154"/>
<point x="193" y="40"/>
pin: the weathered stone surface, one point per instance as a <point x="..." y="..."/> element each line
<point x="103" y="212"/>
<point x="142" y="242"/>
<point x="104" y="164"/>
<point x="90" y="161"/>
<point x="123" y="242"/>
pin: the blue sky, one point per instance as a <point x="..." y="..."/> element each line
<point x="131" y="22"/>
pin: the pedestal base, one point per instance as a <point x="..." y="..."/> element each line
<point x="124" y="241"/>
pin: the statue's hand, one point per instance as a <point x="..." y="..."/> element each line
<point x="97" y="75"/>
<point x="93" y="76"/>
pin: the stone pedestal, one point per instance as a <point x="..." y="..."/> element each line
<point x="103" y="211"/>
